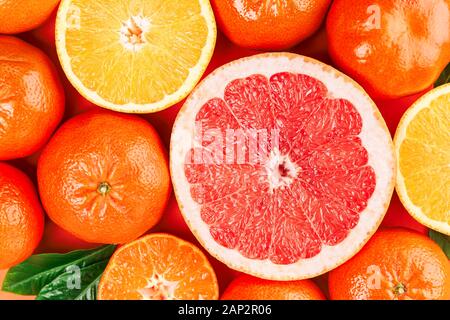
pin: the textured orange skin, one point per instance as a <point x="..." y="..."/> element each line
<point x="100" y="146"/>
<point x="408" y="257"/>
<point x="31" y="96"/>
<point x="23" y="15"/>
<point x="21" y="217"/>
<point x="266" y="30"/>
<point x="246" y="287"/>
<point x="403" y="46"/>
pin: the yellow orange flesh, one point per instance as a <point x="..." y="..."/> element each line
<point x="423" y="153"/>
<point x="158" y="267"/>
<point x="135" y="56"/>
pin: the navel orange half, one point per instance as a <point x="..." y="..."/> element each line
<point x="135" y="56"/>
<point x="422" y="144"/>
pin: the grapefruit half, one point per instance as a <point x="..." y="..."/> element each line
<point x="282" y="166"/>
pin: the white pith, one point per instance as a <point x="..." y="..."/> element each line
<point x="400" y="135"/>
<point x="133" y="32"/>
<point x="194" y="76"/>
<point x="158" y="288"/>
<point x="273" y="173"/>
<point x="375" y="138"/>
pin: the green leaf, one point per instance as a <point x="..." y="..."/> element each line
<point x="75" y="284"/>
<point x="442" y="240"/>
<point x="445" y="77"/>
<point x="29" y="277"/>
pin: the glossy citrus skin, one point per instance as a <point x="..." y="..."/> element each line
<point x="104" y="177"/>
<point x="269" y="24"/>
<point x="23" y="15"/>
<point x="246" y="287"/>
<point x="393" y="48"/>
<point x="31" y="98"/>
<point x="21" y="217"/>
<point x="396" y="264"/>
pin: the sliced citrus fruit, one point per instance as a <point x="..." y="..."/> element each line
<point x="282" y="166"/>
<point x="135" y="56"/>
<point x="158" y="267"/>
<point x="422" y="145"/>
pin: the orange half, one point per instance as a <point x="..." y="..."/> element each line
<point x="422" y="145"/>
<point x="158" y="267"/>
<point x="135" y="56"/>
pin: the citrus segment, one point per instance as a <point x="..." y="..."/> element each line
<point x="423" y="150"/>
<point x="135" y="56"/>
<point x="281" y="165"/>
<point x="158" y="267"/>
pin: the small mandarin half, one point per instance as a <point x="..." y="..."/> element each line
<point x="158" y="267"/>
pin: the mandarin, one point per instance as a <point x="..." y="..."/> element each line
<point x="269" y="25"/>
<point x="21" y="216"/>
<point x="23" y="15"/>
<point x="396" y="264"/>
<point x="393" y="48"/>
<point x="31" y="98"/>
<point x="104" y="177"/>
<point x="247" y="287"/>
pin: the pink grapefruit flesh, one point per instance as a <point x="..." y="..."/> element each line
<point x="283" y="167"/>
